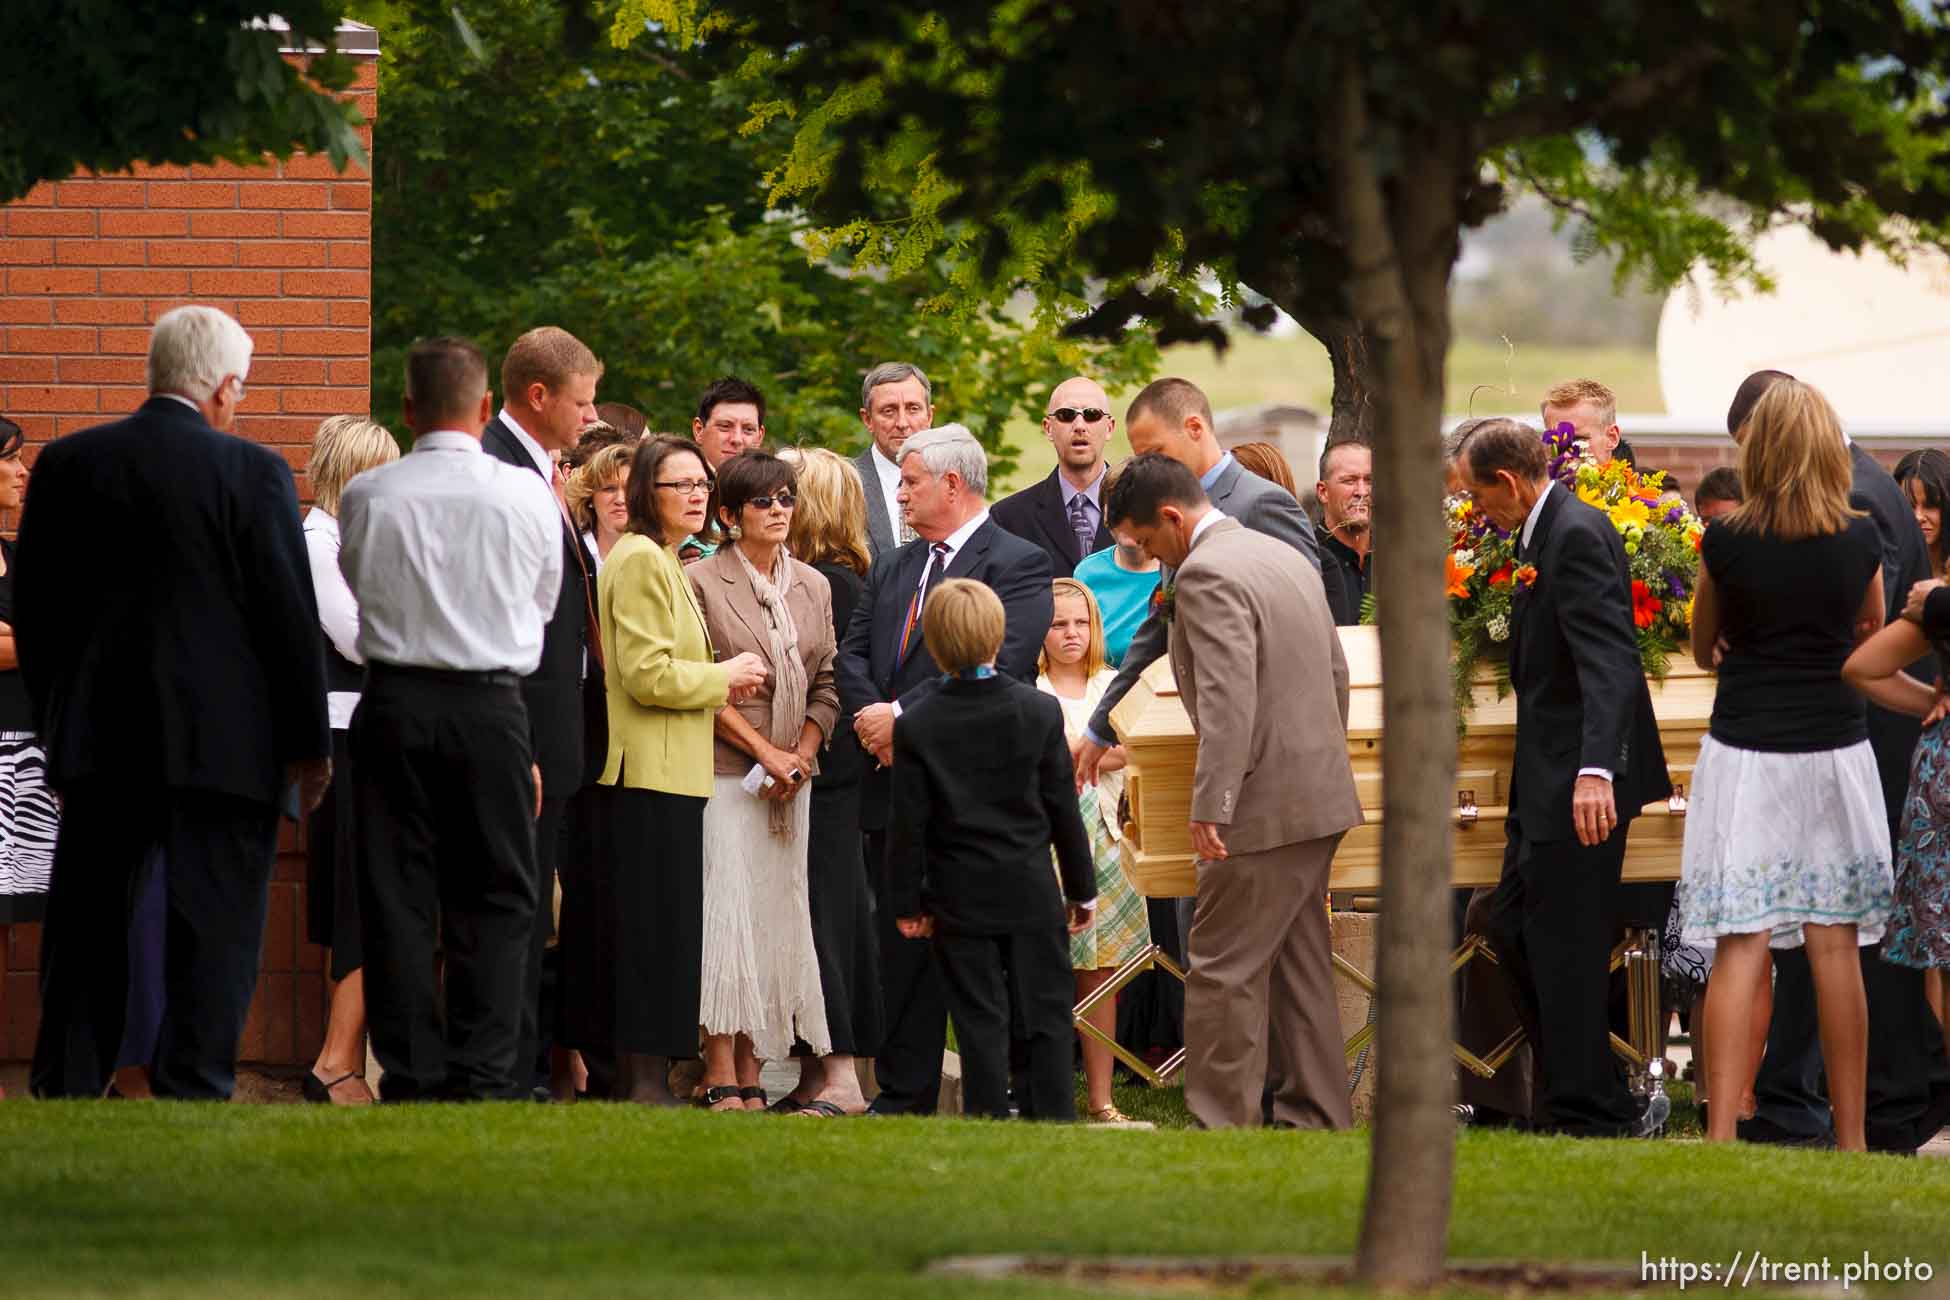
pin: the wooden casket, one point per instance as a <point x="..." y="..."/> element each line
<point x="1157" y="736"/>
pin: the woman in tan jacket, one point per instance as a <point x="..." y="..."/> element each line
<point x="663" y="690"/>
<point x="761" y="986"/>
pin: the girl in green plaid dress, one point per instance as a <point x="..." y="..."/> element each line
<point x="1075" y="672"/>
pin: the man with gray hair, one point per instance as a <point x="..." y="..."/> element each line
<point x="179" y="685"/>
<point x="896" y="401"/>
<point x="884" y="666"/>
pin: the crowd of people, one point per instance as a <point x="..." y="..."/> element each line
<point x="630" y="760"/>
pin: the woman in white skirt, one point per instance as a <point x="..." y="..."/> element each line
<point x="29" y="816"/>
<point x="761" y="985"/>
<point x="1787" y="840"/>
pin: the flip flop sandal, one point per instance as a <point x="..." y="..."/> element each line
<point x="822" y="1109"/>
<point x="787" y="1105"/>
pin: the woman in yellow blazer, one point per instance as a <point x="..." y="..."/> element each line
<point x="663" y="691"/>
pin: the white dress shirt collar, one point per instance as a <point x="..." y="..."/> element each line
<point x="529" y="445"/>
<point x="959" y="538"/>
<point x="1205" y="521"/>
<point x="1530" y="520"/>
<point x="446" y="440"/>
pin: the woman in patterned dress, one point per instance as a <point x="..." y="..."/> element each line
<point x="28" y="814"/>
<point x="1074" y="671"/>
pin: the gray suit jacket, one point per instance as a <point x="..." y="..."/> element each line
<point x="1258" y="504"/>
<point x="1272" y="741"/>
<point x="881" y="532"/>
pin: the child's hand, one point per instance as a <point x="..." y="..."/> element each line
<point x="1081" y="917"/>
<point x="915" y="927"/>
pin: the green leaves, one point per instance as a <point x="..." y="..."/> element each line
<point x="103" y="85"/>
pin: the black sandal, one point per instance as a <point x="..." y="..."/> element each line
<point x="708" y="1098"/>
<point x="786" y="1105"/>
<point x="319" y="1091"/>
<point x="820" y="1108"/>
<point x="753" y="1094"/>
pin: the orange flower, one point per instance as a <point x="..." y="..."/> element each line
<point x="1526" y="574"/>
<point x="1456" y="576"/>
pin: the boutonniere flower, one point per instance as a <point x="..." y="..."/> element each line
<point x="1164" y="601"/>
<point x="1525" y="575"/>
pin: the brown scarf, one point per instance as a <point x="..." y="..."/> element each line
<point x="789" y="683"/>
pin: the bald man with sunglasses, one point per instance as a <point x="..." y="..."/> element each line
<point x="1064" y="513"/>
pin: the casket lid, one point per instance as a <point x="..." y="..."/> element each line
<point x="1151" y="711"/>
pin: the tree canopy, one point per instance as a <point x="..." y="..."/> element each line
<point x="524" y="177"/>
<point x="103" y="84"/>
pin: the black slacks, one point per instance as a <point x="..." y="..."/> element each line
<point x="993" y="981"/>
<point x="841" y="899"/>
<point x="1551" y="919"/>
<point x="651" y="858"/>
<point x="446" y="813"/>
<point x="531" y="1068"/>
<point x="215" y="853"/>
<point x="908" y="1064"/>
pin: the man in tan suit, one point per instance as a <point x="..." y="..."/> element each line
<point x="1272" y="795"/>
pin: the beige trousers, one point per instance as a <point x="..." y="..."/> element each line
<point x="1262" y="956"/>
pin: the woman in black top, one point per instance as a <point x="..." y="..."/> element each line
<point x="31" y="816"/>
<point x="829" y="532"/>
<point x="1787" y="839"/>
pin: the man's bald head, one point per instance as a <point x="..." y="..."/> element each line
<point x="1078" y="424"/>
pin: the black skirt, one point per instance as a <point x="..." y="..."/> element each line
<point x="331" y="881"/>
<point x="650" y="854"/>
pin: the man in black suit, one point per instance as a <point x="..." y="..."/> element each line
<point x="1908" y="1097"/>
<point x="1064" y="513"/>
<point x="178" y="683"/>
<point x="548" y="393"/>
<point x="884" y="667"/>
<point x="982" y="791"/>
<point x="1587" y="759"/>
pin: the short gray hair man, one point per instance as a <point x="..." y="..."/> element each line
<point x="892" y="372"/>
<point x="951" y="449"/>
<point x="194" y="349"/>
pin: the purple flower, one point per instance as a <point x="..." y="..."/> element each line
<point x="1674" y="585"/>
<point x="1676" y="514"/>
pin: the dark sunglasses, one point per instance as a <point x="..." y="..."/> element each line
<point x="784" y="500"/>
<point x="1065" y="414"/>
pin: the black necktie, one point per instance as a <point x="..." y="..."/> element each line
<point x="915" y="606"/>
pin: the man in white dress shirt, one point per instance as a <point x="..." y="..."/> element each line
<point x="896" y="401"/>
<point x="456" y="561"/>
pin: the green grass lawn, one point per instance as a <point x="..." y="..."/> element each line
<point x="1294" y="369"/>
<point x="142" y="1199"/>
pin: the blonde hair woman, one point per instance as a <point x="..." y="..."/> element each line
<point x="1074" y="669"/>
<point x="597" y="498"/>
<point x="829" y="533"/>
<point x="344" y="447"/>
<point x="1787" y="839"/>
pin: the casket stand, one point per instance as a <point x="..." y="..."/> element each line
<point x="1157" y="848"/>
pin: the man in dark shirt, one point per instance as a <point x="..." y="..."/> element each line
<point x="1346" y="493"/>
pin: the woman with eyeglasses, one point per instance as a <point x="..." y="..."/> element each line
<point x="761" y="986"/>
<point x="663" y="692"/>
<point x="32" y="816"/>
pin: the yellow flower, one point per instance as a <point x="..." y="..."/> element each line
<point x="1630" y="511"/>
<point x="1592" y="496"/>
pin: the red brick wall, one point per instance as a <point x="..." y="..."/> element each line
<point x="89" y="264"/>
<point x="1686" y="463"/>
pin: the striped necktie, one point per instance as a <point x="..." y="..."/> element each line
<point x="914" y="606"/>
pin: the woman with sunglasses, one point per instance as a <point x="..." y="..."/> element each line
<point x="761" y="987"/>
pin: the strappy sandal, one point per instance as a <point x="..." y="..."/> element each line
<point x="786" y="1105"/>
<point x="820" y="1108"/>
<point x="319" y="1091"/>
<point x="1113" y="1116"/>
<point x="708" y="1098"/>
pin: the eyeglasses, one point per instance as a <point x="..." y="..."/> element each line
<point x="784" y="500"/>
<point x="1065" y="414"/>
<point x="688" y="487"/>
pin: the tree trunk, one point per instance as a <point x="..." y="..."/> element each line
<point x="1401" y="245"/>
<point x="1355" y="376"/>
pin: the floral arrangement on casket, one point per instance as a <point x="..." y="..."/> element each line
<point x="1661" y="538"/>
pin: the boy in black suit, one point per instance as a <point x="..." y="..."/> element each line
<point x="982" y="786"/>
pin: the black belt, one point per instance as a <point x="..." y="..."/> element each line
<point x="454" y="676"/>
